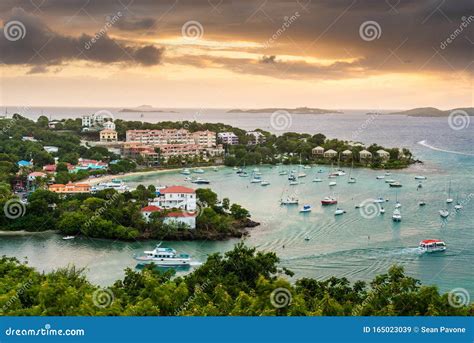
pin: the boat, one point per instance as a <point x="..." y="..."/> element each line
<point x="419" y="186"/>
<point x="361" y="205"/>
<point x="243" y="174"/>
<point x="305" y="208"/>
<point x="187" y="178"/>
<point x="395" y="184"/>
<point x="449" y="199"/>
<point x="352" y="180"/>
<point x="332" y="183"/>
<point x="421" y="203"/>
<point x="68" y="238"/>
<point x="258" y="173"/>
<point x="185" y="171"/>
<point x="340" y="172"/>
<point x="329" y="201"/>
<point x="307" y="167"/>
<point x="239" y="171"/>
<point x="256" y="180"/>
<point x="235" y="168"/>
<point x="200" y="181"/>
<point x="306" y="239"/>
<point x="379" y="200"/>
<point x="265" y="183"/>
<point x="320" y="171"/>
<point x="380" y="177"/>
<point x="294" y="183"/>
<point x="382" y="210"/>
<point x="215" y="169"/>
<point x="388" y="173"/>
<point x="283" y="172"/>
<point x="198" y="171"/>
<point x="116" y="184"/>
<point x="396" y="216"/>
<point x="301" y="175"/>
<point x="432" y="245"/>
<point x="317" y="180"/>
<point x="166" y="257"/>
<point x="292" y="177"/>
<point x="289" y="200"/>
<point x="256" y="170"/>
<point x="398" y="205"/>
<point x="339" y="211"/>
<point x="458" y="206"/>
<point x="444" y="213"/>
<point x="390" y="180"/>
<point x="420" y="177"/>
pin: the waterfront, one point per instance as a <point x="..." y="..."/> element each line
<point x="338" y="246"/>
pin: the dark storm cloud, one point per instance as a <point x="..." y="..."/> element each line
<point x="42" y="47"/>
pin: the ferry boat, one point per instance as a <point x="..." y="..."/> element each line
<point x="116" y="184"/>
<point x="397" y="216"/>
<point x="329" y="201"/>
<point x="200" y="181"/>
<point x="339" y="211"/>
<point x="166" y="257"/>
<point x="444" y="213"/>
<point x="185" y="171"/>
<point x="305" y="208"/>
<point x="432" y="245"/>
<point x="265" y="183"/>
<point x="290" y="200"/>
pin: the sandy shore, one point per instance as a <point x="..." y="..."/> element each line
<point x="24" y="233"/>
<point x="107" y="178"/>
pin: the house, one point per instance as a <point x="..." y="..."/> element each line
<point x="51" y="149"/>
<point x="384" y="155"/>
<point x="180" y="197"/>
<point x="34" y="175"/>
<point x="330" y="153"/>
<point x="70" y="188"/>
<point x="109" y="125"/>
<point x="318" y="151"/>
<point x="256" y="137"/>
<point x="365" y="155"/>
<point x="228" y="138"/>
<point x="52" y="124"/>
<point x="86" y="164"/>
<point x="148" y="210"/>
<point x="28" y="139"/>
<point x="346" y="154"/>
<point x="108" y="135"/>
<point x="181" y="217"/>
<point x="24" y="164"/>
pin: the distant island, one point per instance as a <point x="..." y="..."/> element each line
<point x="432" y="112"/>
<point x="145" y="108"/>
<point x="298" y="110"/>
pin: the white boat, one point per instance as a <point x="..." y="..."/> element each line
<point x="382" y="210"/>
<point x="444" y="213"/>
<point x="305" y="208"/>
<point x="215" y="169"/>
<point x="339" y="211"/>
<point x="458" y="207"/>
<point x="352" y="180"/>
<point x="398" y="205"/>
<point x="283" y="172"/>
<point x="256" y="180"/>
<point x="67" y="238"/>
<point x="116" y="184"/>
<point x="200" y="181"/>
<point x="395" y="184"/>
<point x="301" y="175"/>
<point x="380" y="177"/>
<point x="185" y="171"/>
<point x="449" y="199"/>
<point x="396" y="216"/>
<point x="420" y="177"/>
<point x="332" y="183"/>
<point x="198" y="171"/>
<point x="307" y="167"/>
<point x="256" y="170"/>
<point x="289" y="200"/>
<point x="379" y="200"/>
<point x="235" y="168"/>
<point x="265" y="183"/>
<point x="317" y="180"/>
<point x="421" y="203"/>
<point x="258" y="173"/>
<point x="388" y="173"/>
<point x="432" y="245"/>
<point x="390" y="181"/>
<point x="166" y="257"/>
<point x="294" y="183"/>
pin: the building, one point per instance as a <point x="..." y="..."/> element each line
<point x="179" y="197"/>
<point x="188" y="219"/>
<point x="256" y="137"/>
<point x="70" y="188"/>
<point x="205" y="138"/>
<point x="148" y="210"/>
<point x="51" y="149"/>
<point x="158" y="137"/>
<point x="108" y="135"/>
<point x="28" y="139"/>
<point x="34" y="175"/>
<point x="51" y="168"/>
<point x="365" y="155"/>
<point x="346" y="154"/>
<point x="330" y="153"/>
<point x="86" y="164"/>
<point x="24" y="164"/>
<point x="101" y="119"/>
<point x="318" y="151"/>
<point x="52" y="123"/>
<point x="384" y="155"/>
<point x="228" y="138"/>
<point x="109" y="125"/>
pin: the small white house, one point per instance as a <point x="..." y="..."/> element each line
<point x="181" y="217"/>
<point x="148" y="210"/>
<point x="365" y="155"/>
<point x="318" y="151"/>
<point x="384" y="155"/>
<point x="330" y="153"/>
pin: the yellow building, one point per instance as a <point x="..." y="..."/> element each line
<point x="108" y="135"/>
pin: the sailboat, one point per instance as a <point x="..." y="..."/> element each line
<point x="444" y="213"/>
<point x="351" y="179"/>
<point x="396" y="216"/>
<point x="458" y="205"/>
<point x="449" y="199"/>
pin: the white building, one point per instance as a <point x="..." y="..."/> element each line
<point x="205" y="138"/>
<point x="228" y="138"/>
<point x="181" y="217"/>
<point x="51" y="149"/>
<point x="330" y="153"/>
<point x="109" y="125"/>
<point x="256" y="137"/>
<point x="180" y="197"/>
<point x="318" y="151"/>
<point x="384" y="155"/>
<point x="148" y="210"/>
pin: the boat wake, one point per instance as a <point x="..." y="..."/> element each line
<point x="426" y="145"/>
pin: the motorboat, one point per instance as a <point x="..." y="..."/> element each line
<point x="283" y="172"/>
<point x="332" y="183"/>
<point x="352" y="180"/>
<point x="379" y="200"/>
<point x="265" y="183"/>
<point x="380" y="177"/>
<point x="68" y="238"/>
<point x="256" y="180"/>
<point x="397" y="216"/>
<point x="390" y="180"/>
<point x="420" y="177"/>
<point x="444" y="213"/>
<point x="198" y="171"/>
<point x="305" y="208"/>
<point x="395" y="184"/>
<point x="166" y="257"/>
<point x="329" y="201"/>
<point x="200" y="181"/>
<point x="382" y="210"/>
<point x="361" y="205"/>
<point x="289" y="200"/>
<point x="307" y="167"/>
<point x="317" y="180"/>
<point x="294" y="183"/>
<point x="398" y="205"/>
<point x="432" y="245"/>
<point x="421" y="203"/>
<point x="243" y="174"/>
<point x="292" y="177"/>
<point x="458" y="206"/>
<point x="388" y="173"/>
<point x="185" y="171"/>
<point x="339" y="211"/>
<point x="301" y="175"/>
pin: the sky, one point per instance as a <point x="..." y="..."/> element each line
<point x="337" y="54"/>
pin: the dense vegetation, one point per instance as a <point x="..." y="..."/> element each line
<point x="108" y="214"/>
<point x="243" y="282"/>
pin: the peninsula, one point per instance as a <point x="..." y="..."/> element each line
<point x="297" y="110"/>
<point x="432" y="112"/>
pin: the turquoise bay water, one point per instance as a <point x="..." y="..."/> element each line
<point x="349" y="245"/>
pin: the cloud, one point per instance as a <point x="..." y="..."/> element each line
<point x="42" y="47"/>
<point x="136" y="24"/>
<point x="268" y="59"/>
